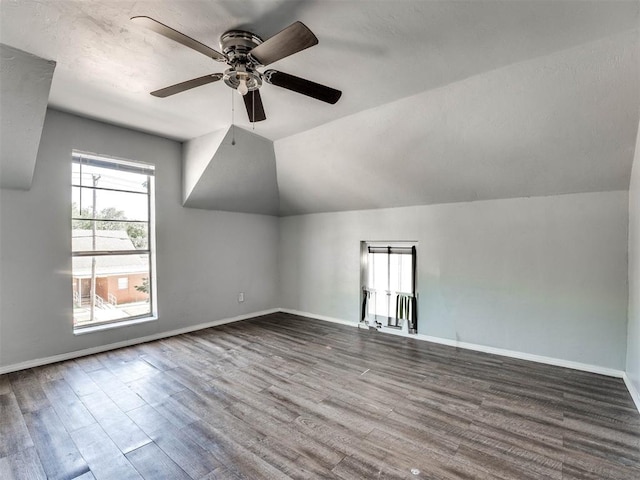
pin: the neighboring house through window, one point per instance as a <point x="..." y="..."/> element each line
<point x="112" y="239"/>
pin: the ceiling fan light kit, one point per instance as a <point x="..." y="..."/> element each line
<point x="245" y="52"/>
<point x="242" y="76"/>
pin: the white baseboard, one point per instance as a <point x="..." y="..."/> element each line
<point x="635" y="395"/>
<point x="585" y="367"/>
<point x="127" y="343"/>
<point x="558" y="362"/>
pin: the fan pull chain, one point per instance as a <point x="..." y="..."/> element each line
<point x="233" y="123"/>
<point x="253" y="110"/>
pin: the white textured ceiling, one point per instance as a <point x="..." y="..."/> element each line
<point x="490" y="93"/>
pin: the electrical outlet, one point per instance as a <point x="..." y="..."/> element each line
<point x="241" y="297"/>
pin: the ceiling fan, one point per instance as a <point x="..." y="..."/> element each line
<point x="244" y="52"/>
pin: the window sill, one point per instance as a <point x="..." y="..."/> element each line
<point x="110" y="326"/>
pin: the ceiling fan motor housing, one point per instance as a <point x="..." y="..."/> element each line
<point x="236" y="45"/>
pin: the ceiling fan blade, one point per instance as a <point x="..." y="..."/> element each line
<point x="176" y="36"/>
<point x="300" y="85"/>
<point x="189" y="84"/>
<point x="294" y="38"/>
<point x="255" y="109"/>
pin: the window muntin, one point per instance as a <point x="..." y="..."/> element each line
<point x="112" y="231"/>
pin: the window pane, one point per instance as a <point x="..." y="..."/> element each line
<point x="109" y="236"/>
<point x="109" y="205"/>
<point x="387" y="276"/>
<point x="400" y="277"/>
<point x="379" y="277"/>
<point x="109" y="178"/>
<point x="382" y="303"/>
<point x="379" y="282"/>
<point x="406" y="283"/>
<point x="394" y="273"/>
<point x="111" y="302"/>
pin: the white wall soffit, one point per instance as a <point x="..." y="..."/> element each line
<point x="25" y="81"/>
<point x="197" y="153"/>
<point x="563" y="123"/>
<point x="238" y="178"/>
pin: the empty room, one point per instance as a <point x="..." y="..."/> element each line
<point x="339" y="239"/>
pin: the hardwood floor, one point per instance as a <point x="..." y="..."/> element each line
<point x="285" y="397"/>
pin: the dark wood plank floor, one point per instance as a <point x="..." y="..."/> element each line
<point x="285" y="397"/>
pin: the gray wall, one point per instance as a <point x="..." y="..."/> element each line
<point x="545" y="275"/>
<point x="633" y="329"/>
<point x="204" y="258"/>
<point x="542" y="275"/>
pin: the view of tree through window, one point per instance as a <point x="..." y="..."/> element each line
<point x="111" y="228"/>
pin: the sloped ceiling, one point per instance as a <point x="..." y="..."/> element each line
<point x="563" y="123"/>
<point x="444" y="100"/>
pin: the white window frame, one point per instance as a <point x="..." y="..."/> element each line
<point x="137" y="167"/>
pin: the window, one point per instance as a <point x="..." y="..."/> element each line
<point x="389" y="286"/>
<point x="112" y="239"/>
